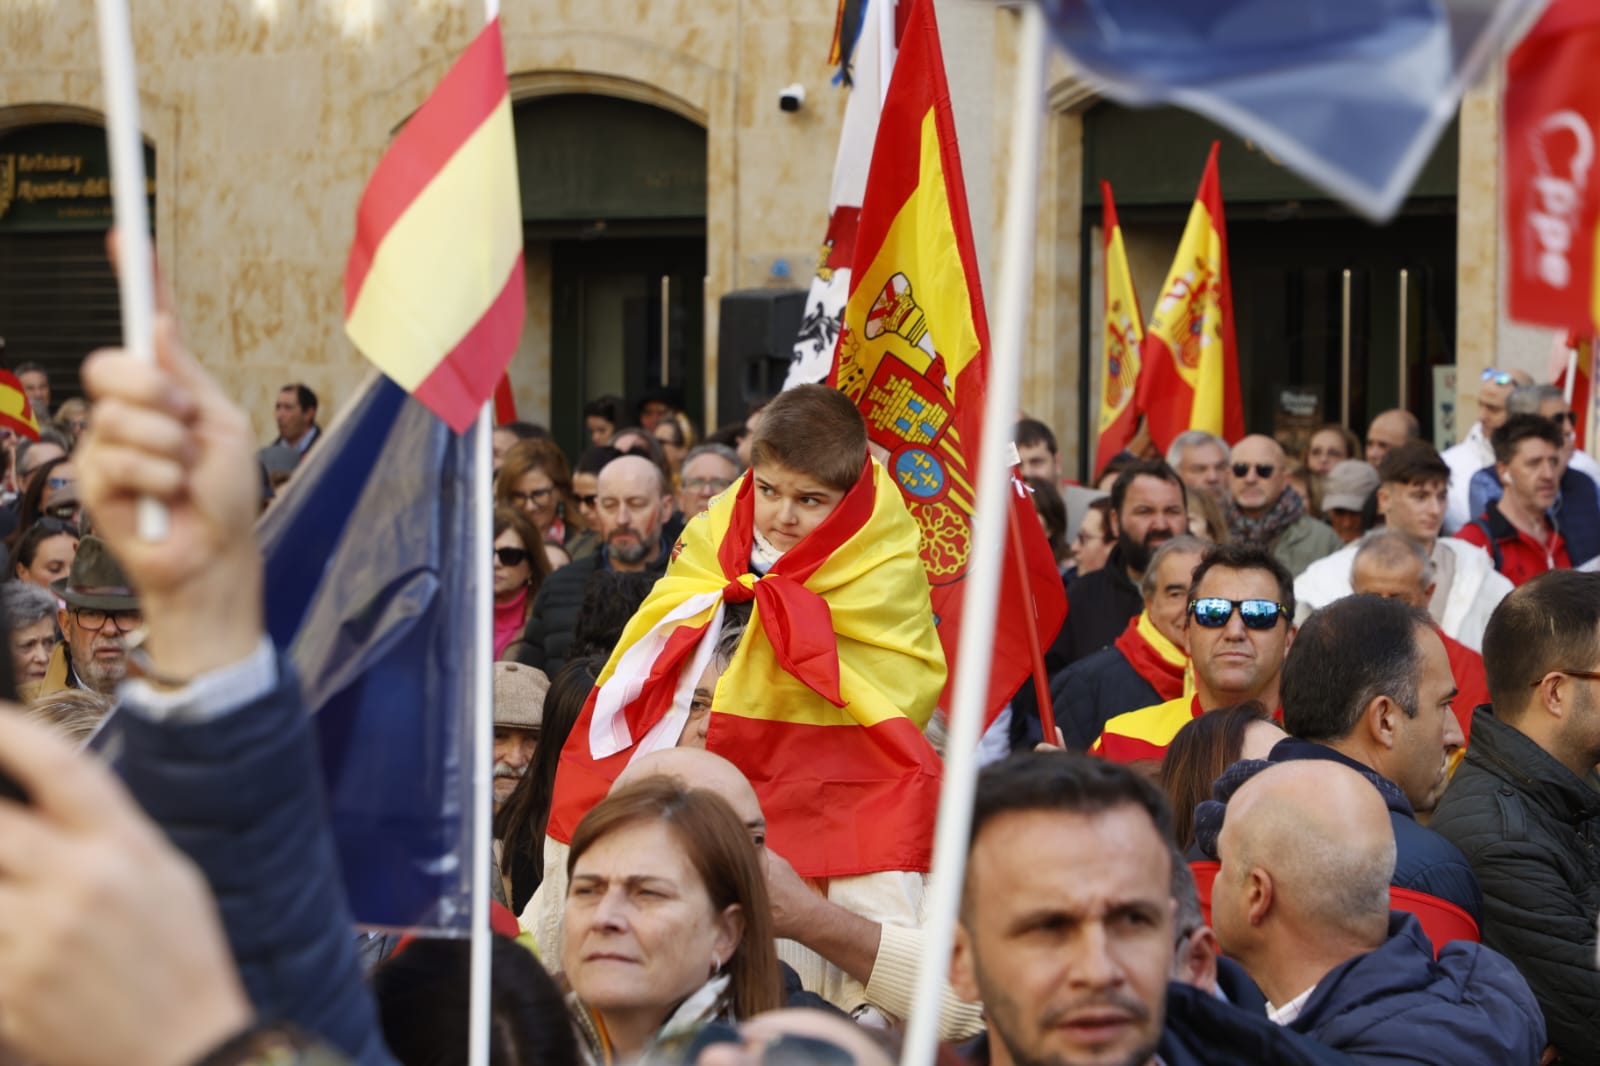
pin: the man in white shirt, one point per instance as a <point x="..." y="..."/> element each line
<point x="1474" y="453"/>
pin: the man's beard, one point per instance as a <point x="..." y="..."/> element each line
<point x="504" y="771"/>
<point x="1136" y="554"/>
<point x="627" y="546"/>
<point x="101" y="675"/>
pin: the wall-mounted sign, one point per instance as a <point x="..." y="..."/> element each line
<point x="55" y="176"/>
<point x="1296" y="417"/>
<point x="1444" y="406"/>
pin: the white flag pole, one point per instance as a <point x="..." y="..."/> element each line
<point x="135" y="273"/>
<point x="886" y="47"/>
<point x="989" y="540"/>
<point x="482" y="722"/>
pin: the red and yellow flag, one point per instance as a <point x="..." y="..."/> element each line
<point x="433" y="288"/>
<point x="1123" y="333"/>
<point x="914" y="355"/>
<point x="16" y="414"/>
<point x="1191" y="364"/>
<point x="824" y="701"/>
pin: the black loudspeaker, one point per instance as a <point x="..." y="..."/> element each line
<point x="756" y="331"/>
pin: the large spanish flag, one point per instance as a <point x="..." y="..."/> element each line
<point x="1191" y="364"/>
<point x="16" y="414"/>
<point x="1122" y="334"/>
<point x="914" y="355"/>
<point x="433" y="289"/>
<point x="824" y="701"/>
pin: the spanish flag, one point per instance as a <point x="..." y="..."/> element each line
<point x="1122" y="334"/>
<point x="824" y="702"/>
<point x="16" y="414"/>
<point x="1191" y="365"/>
<point x="913" y="354"/>
<point x="433" y="288"/>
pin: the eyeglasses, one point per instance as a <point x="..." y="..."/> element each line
<point x="1499" y="377"/>
<point x="587" y="501"/>
<point x="1564" y="418"/>
<point x="715" y="484"/>
<point x="522" y="499"/>
<point x="1213" y="612"/>
<point x="94" y="619"/>
<point x="1586" y="675"/>
<point x="55" y="527"/>
<point x="1262" y="469"/>
<point x="511" y="556"/>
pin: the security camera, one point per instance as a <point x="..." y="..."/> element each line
<point x="792" y="97"/>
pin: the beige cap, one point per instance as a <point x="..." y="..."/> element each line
<point x="1347" y="486"/>
<point x="519" y="695"/>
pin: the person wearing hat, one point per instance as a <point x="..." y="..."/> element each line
<point x="101" y="610"/>
<point x="1345" y="490"/>
<point x="518" y="712"/>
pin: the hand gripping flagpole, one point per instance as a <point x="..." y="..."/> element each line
<point x="482" y="721"/>
<point x="989" y="541"/>
<point x="135" y="272"/>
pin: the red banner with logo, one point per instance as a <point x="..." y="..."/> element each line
<point x="1550" y="139"/>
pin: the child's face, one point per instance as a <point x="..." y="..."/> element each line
<point x="790" y="505"/>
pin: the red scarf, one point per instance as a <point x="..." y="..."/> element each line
<point x="509" y="618"/>
<point x="1153" y="657"/>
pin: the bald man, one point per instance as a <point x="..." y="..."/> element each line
<point x="833" y="936"/>
<point x="634" y="504"/>
<point x="1302" y="902"/>
<point x="1389" y="430"/>
<point x="1264" y="511"/>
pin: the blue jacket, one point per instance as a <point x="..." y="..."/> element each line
<point x="1424" y="860"/>
<point x="1094" y="690"/>
<point x="1398" y="1005"/>
<point x="1576" y="513"/>
<point x="241" y="796"/>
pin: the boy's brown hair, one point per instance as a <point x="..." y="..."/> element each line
<point x="813" y="430"/>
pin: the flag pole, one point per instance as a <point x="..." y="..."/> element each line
<point x="135" y="271"/>
<point x="886" y="47"/>
<point x="989" y="541"/>
<point x="482" y="720"/>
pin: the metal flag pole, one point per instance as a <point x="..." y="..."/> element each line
<point x="989" y="540"/>
<point x="482" y="720"/>
<point x="135" y="270"/>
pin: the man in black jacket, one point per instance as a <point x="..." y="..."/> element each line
<point x="634" y="503"/>
<point x="1524" y="806"/>
<point x="1148" y="507"/>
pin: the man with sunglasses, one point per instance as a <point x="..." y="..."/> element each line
<point x="1474" y="452"/>
<point x="1523" y="806"/>
<point x="1265" y="511"/>
<point x="1577" y="506"/>
<point x="1238" y="631"/>
<point x="101" y="610"/>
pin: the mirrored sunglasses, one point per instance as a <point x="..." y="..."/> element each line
<point x="1213" y="612"/>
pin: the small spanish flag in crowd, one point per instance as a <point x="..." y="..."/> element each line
<point x="434" y="288"/>
<point x="16" y="414"/>
<point x="1191" y="363"/>
<point x="1123" y="333"/>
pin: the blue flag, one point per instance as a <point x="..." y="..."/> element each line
<point x="370" y="591"/>
<point x="1351" y="94"/>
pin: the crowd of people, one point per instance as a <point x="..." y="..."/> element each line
<point x="1323" y="788"/>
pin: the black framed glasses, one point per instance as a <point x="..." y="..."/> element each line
<point x="94" y="619"/>
<point x="522" y="499"/>
<point x="587" y="501"/>
<point x="1586" y="675"/>
<point x="511" y="556"/>
<point x="1564" y="418"/>
<point x="1262" y="469"/>
<point x="1213" y="612"/>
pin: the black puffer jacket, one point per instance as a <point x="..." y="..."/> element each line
<point x="1531" y="829"/>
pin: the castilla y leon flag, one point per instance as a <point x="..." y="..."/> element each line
<point x="914" y="355"/>
<point x="1551" y="137"/>
<point x="1123" y="333"/>
<point x="16" y="414"/>
<point x="1190" y="378"/>
<point x="433" y="288"/>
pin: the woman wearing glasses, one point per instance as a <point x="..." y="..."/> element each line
<point x="520" y="566"/>
<point x="535" y="480"/>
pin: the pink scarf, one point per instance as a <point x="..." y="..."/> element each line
<point x="509" y="618"/>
